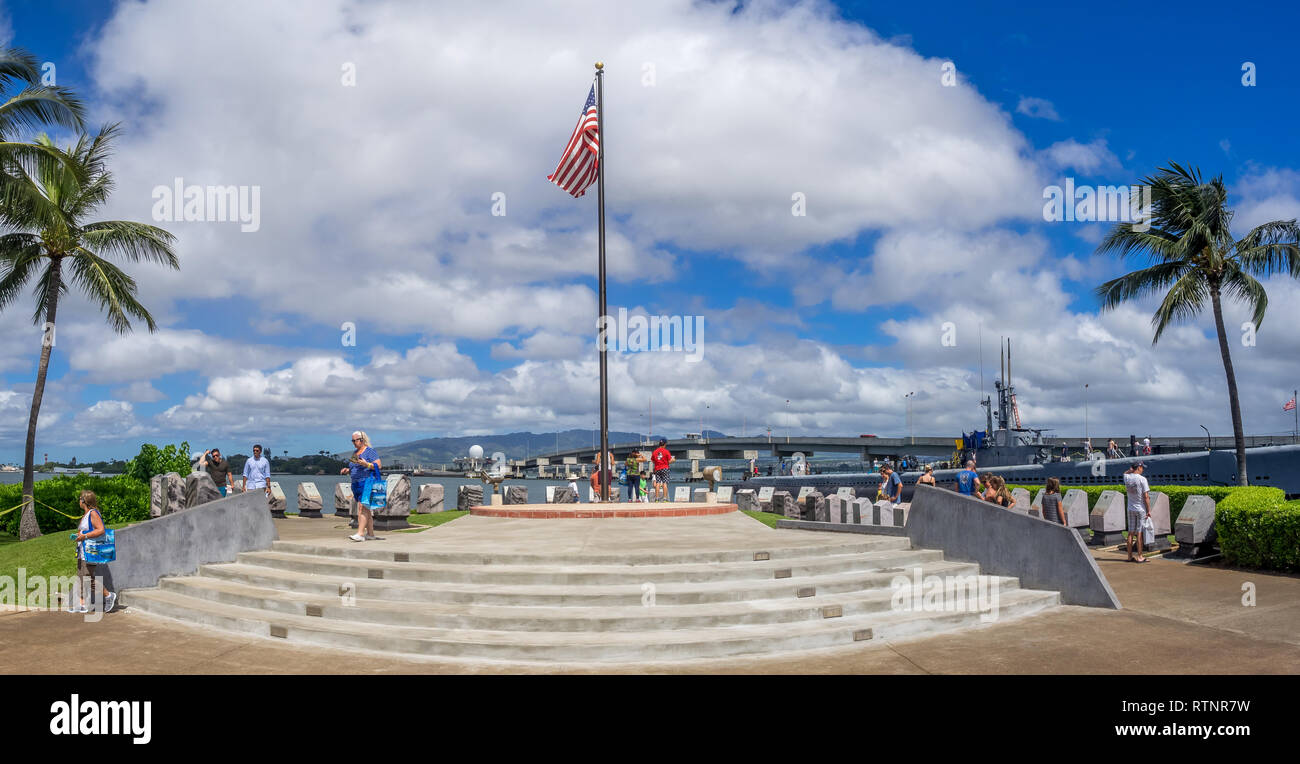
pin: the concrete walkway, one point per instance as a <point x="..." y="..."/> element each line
<point x="1177" y="619"/>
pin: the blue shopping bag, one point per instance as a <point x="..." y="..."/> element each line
<point x="100" y="550"/>
<point x="374" y="494"/>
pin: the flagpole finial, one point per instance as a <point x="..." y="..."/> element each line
<point x="600" y="64"/>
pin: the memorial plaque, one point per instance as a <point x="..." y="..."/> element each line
<point x="431" y="498"/>
<point x="883" y="513"/>
<point x="1022" y="500"/>
<point x="700" y="495"/>
<point x="832" y="611"/>
<point x="1038" y="500"/>
<point x="724" y="495"/>
<point x="344" y="503"/>
<point x="784" y="504"/>
<point x="806" y="591"/>
<point x="846" y="493"/>
<point x="1075" y="505"/>
<point x="861" y="510"/>
<point x="765" y="493"/>
<point x="803" y="493"/>
<point x="682" y="493"/>
<point x="1108" y="518"/>
<point x="550" y="493"/>
<point x="277" y="502"/>
<point x="1195" y="527"/>
<point x="747" y="500"/>
<point x="835" y="504"/>
<point x="199" y="489"/>
<point x="309" y="501"/>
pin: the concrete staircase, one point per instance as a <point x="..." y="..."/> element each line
<point x="573" y="607"/>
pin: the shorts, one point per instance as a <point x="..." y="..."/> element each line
<point x="1135" y="518"/>
<point x="661" y="476"/>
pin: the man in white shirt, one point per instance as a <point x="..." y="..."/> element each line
<point x="1139" y="503"/>
<point x="257" y="472"/>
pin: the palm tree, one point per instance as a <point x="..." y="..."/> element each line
<point x="47" y="234"/>
<point x="1194" y="257"/>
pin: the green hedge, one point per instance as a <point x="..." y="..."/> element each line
<point x="121" y="500"/>
<point x="1258" y="528"/>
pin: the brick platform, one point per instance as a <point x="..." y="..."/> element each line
<point x="603" y="510"/>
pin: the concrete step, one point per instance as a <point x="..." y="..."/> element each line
<point x="568" y="595"/>
<point x="579" y="575"/>
<point x="381" y="551"/>
<point x="628" y="617"/>
<point x="587" y="646"/>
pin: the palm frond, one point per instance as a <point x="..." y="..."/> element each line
<point x="1240" y="285"/>
<point x="131" y="241"/>
<point x="1138" y="284"/>
<point x="1270" y="248"/>
<point x="111" y="287"/>
<point x="1183" y="301"/>
<point x="20" y="255"/>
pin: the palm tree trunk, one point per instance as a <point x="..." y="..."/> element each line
<point x="1233" y="401"/>
<point x="28" y="528"/>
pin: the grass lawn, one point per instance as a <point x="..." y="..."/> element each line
<point x="48" y="556"/>
<point x="435" y="518"/>
<point x="766" y="518"/>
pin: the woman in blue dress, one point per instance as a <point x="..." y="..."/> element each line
<point x="364" y="463"/>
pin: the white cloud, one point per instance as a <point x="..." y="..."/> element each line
<point x="1089" y="158"/>
<point x="1037" y="108"/>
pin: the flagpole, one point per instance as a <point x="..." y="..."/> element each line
<point x="600" y="207"/>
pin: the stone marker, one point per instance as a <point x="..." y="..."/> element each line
<point x="835" y="504"/>
<point x="1037" y="503"/>
<point x="1075" y="505"/>
<point x="1159" y="511"/>
<point x="550" y="494"/>
<point x="724" y="495"/>
<point x="803" y="493"/>
<point x="747" y="500"/>
<point x="783" y="504"/>
<point x="845" y="493"/>
<point x="309" y="501"/>
<point x="199" y="489"/>
<point x="1107" y="519"/>
<point x="564" y="495"/>
<point x="882" y="513"/>
<point x="239" y="485"/>
<point x="700" y="494"/>
<point x="860" y="511"/>
<point x="168" y="496"/>
<point x="431" y="499"/>
<point x="277" y="502"/>
<point x="682" y="493"/>
<point x="344" y="504"/>
<point x="472" y="496"/>
<point x="1022" y="501"/>
<point x="1195" y="528"/>
<point x="516" y="494"/>
<point x="399" y="496"/>
<point x="815" y="508"/>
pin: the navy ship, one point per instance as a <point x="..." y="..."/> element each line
<point x="1021" y="455"/>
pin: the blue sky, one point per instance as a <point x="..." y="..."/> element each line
<point x="931" y="216"/>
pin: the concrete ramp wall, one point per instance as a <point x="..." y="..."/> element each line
<point x="1041" y="554"/>
<point x="178" y="543"/>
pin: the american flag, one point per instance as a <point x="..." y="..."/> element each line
<point x="577" y="168"/>
<point x="1289" y="405"/>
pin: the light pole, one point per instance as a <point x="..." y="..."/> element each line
<point x="1208" y="446"/>
<point x="787" y="420"/>
<point x="908" y="399"/>
<point x="1087" y="443"/>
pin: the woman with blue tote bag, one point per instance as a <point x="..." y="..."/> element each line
<point x="92" y="551"/>
<point x="367" y="485"/>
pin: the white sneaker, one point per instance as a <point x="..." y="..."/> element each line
<point x="357" y="537"/>
<point x="372" y="538"/>
<point x="109" y="602"/>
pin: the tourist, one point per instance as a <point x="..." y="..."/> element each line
<point x="1053" y="509"/>
<point x="633" y="464"/>
<point x="218" y="469"/>
<point x="573" y="486"/>
<point x="968" y="480"/>
<point x="1112" y="450"/>
<point x="364" y="463"/>
<point x="891" y="485"/>
<point x="661" y="460"/>
<point x="257" y="472"/>
<point x="90" y="527"/>
<point x="998" y="493"/>
<point x="645" y="487"/>
<point x="1139" y="503"/>
<point x="927" y="477"/>
<point x="1146" y="446"/>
